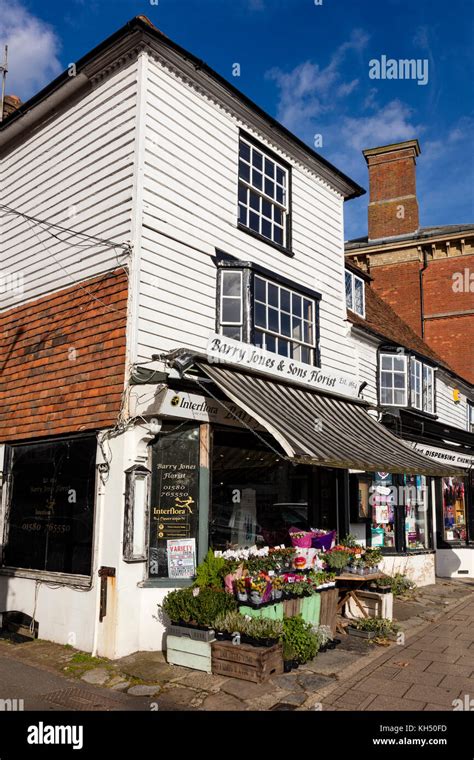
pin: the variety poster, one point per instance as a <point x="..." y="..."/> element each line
<point x="181" y="558"/>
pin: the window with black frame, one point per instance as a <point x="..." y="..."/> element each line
<point x="278" y="317"/>
<point x="263" y="193"/>
<point x="50" y="510"/>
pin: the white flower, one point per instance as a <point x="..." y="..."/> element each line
<point x="196" y="591"/>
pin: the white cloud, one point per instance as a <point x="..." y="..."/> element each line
<point x="390" y="124"/>
<point x="33" y="48"/>
<point x="307" y="91"/>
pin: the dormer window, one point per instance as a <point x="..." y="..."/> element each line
<point x="355" y="293"/>
<point x="406" y="381"/>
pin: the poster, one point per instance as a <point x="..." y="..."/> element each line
<point x="244" y="519"/>
<point x="174" y="493"/>
<point x="181" y="558"/>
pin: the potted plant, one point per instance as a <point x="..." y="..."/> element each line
<point x="277" y="588"/>
<point x="258" y="587"/>
<point x="241" y="590"/>
<point x="381" y="585"/>
<point x="301" y="638"/>
<point x="337" y="558"/>
<point x="370" y="627"/>
<point x="288" y="657"/>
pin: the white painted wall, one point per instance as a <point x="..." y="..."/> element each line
<point x="420" y="568"/>
<point x="190" y="208"/>
<point x="449" y="563"/>
<point x="75" y="170"/>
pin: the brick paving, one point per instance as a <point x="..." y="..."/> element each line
<point x="434" y="668"/>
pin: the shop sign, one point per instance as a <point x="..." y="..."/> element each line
<point x="181" y="558"/>
<point x="193" y="406"/>
<point x="222" y="350"/>
<point x="458" y="459"/>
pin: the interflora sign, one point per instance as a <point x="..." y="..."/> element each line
<point x="222" y="350"/>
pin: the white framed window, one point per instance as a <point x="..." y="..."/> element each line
<point x="355" y="293"/>
<point x="428" y="388"/>
<point x="416" y="383"/>
<point x="393" y="380"/>
<point x="231" y="304"/>
<point x="263" y="193"/>
<point x="470" y="416"/>
<point x="284" y="321"/>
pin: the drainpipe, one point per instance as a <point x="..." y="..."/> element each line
<point x="422" y="307"/>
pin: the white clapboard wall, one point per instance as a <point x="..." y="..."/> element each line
<point x="76" y="170"/>
<point x="190" y="182"/>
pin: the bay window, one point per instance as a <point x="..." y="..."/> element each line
<point x="355" y="293"/>
<point x="267" y="311"/>
<point x="406" y="381"/>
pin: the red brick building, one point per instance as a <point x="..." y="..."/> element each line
<point x="426" y="274"/>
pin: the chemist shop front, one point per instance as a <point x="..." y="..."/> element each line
<point x="256" y="456"/>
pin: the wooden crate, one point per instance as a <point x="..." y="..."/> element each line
<point x="327" y="614"/>
<point x="243" y="661"/>
<point x="181" y="650"/>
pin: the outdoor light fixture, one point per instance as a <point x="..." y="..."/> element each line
<point x="137" y="480"/>
<point x="362" y="386"/>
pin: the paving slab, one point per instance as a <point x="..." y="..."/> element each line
<point x="97" y="676"/>
<point x="435" y="694"/>
<point x="245" y="689"/>
<point x="223" y="703"/>
<point x="142" y="690"/>
<point x="333" y="662"/>
<point x="313" y="683"/>
<point x="176" y="699"/>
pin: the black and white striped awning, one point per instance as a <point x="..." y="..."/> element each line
<point x="321" y="429"/>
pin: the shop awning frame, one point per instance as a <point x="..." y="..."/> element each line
<point x="320" y="429"/>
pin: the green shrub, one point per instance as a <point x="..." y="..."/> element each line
<point x="257" y="628"/>
<point x="300" y="637"/>
<point x="198" y="609"/>
<point x="400" y="584"/>
<point x="380" y="626"/>
<point x="210" y="573"/>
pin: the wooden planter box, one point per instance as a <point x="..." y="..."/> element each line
<point x="362" y="634"/>
<point x="243" y="661"/>
<point x="181" y="650"/>
<point x="327" y="615"/>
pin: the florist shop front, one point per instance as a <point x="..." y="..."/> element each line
<point x="246" y="459"/>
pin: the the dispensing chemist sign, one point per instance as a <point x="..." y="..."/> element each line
<point x="221" y="350"/>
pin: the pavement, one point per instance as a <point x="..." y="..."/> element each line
<point x="432" y="666"/>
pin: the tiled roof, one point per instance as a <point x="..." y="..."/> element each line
<point x="383" y="321"/>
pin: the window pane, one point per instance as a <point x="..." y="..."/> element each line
<point x="266" y="228"/>
<point x="269" y="168"/>
<point x="386" y="380"/>
<point x="285" y="299"/>
<point x="270" y="188"/>
<point x="258" y="338"/>
<point x="307" y="309"/>
<point x="280" y="196"/>
<point x="260" y="315"/>
<point x="399" y="398"/>
<point x="385" y="396"/>
<point x="243" y="192"/>
<point x="242" y="215"/>
<point x="297" y="329"/>
<point x="296" y="305"/>
<point x="273" y="321"/>
<point x="231" y="283"/>
<point x="383" y="512"/>
<point x="254" y="201"/>
<point x="348" y="290"/>
<point x="305" y="355"/>
<point x="398" y="380"/>
<point x="308" y="332"/>
<point x="257" y="179"/>
<point x="278" y="235"/>
<point x="257" y="159"/>
<point x="399" y="363"/>
<point x="244" y="171"/>
<point x="416" y="512"/>
<point x="244" y="150"/>
<point x="270" y="343"/>
<point x="52" y="506"/>
<point x="272" y="295"/>
<point x="266" y="208"/>
<point x="283" y="347"/>
<point x="254" y="221"/>
<point x="231" y="310"/>
<point x="359" y="296"/>
<point x="278" y="215"/>
<point x="280" y="176"/>
<point x="386" y="361"/>
<point x="232" y="331"/>
<point x="260" y="289"/>
<point x="454" y="509"/>
<point x="285" y="324"/>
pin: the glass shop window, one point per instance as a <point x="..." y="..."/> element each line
<point x="383" y="502"/>
<point x="174" y="502"/>
<point x="416" y="512"/>
<point x="51" y="506"/>
<point x="256" y="494"/>
<point x="454" y="509"/>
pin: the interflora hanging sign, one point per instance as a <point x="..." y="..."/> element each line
<point x="222" y="350"/>
<point x="457" y="458"/>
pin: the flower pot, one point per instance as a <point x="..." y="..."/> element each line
<point x="295" y="664"/>
<point x="287" y="666"/>
<point x="255" y="597"/>
<point x="361" y="634"/>
<point x="277" y="594"/>
<point x="242" y="596"/>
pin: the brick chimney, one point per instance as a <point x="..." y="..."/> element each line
<point x="393" y="207"/>
<point x="10" y="104"/>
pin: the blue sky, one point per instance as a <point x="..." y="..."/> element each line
<point x="308" y="66"/>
